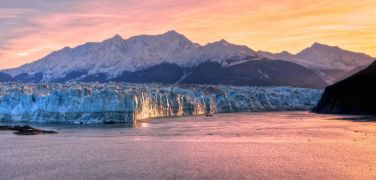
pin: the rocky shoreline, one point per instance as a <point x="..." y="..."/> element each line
<point x="26" y="130"/>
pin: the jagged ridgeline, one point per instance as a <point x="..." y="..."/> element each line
<point x="126" y="103"/>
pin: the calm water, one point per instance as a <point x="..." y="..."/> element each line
<point x="278" y="145"/>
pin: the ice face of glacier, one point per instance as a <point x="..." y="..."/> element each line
<point x="127" y="103"/>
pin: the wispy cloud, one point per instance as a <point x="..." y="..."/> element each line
<point x="32" y="29"/>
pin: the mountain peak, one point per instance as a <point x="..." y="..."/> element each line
<point x="172" y="32"/>
<point x="174" y="36"/>
<point x="115" y="39"/>
<point x="317" y="44"/>
<point x="66" y="48"/>
<point x="320" y="45"/>
<point x="284" y="53"/>
<point x="221" y="42"/>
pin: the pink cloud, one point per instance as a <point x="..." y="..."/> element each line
<point x="269" y="25"/>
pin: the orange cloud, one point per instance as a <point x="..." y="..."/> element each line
<point x="28" y="32"/>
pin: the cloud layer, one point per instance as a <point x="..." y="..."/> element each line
<point x="31" y="29"/>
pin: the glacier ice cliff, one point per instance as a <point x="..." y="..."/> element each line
<point x="126" y="103"/>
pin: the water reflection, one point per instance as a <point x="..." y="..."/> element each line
<point x="59" y="126"/>
<point x="62" y="126"/>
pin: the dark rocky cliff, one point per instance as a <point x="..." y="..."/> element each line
<point x="354" y="95"/>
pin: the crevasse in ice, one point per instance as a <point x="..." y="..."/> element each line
<point x="126" y="103"/>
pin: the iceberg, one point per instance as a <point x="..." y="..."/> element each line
<point x="126" y="103"/>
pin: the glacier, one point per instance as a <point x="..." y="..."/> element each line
<point x="87" y="103"/>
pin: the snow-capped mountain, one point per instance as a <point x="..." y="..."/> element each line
<point x="116" y="55"/>
<point x="172" y="58"/>
<point x="333" y="57"/>
<point x="330" y="62"/>
<point x="224" y="53"/>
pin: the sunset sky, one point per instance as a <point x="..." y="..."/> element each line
<point x="30" y="29"/>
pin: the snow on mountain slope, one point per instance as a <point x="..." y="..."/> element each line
<point x="224" y="53"/>
<point x="330" y="62"/>
<point x="116" y="55"/>
<point x="320" y="56"/>
<point x="333" y="57"/>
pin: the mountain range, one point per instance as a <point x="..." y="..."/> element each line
<point x="330" y="62"/>
<point x="172" y="58"/>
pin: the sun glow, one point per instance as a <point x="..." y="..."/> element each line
<point x="22" y="54"/>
